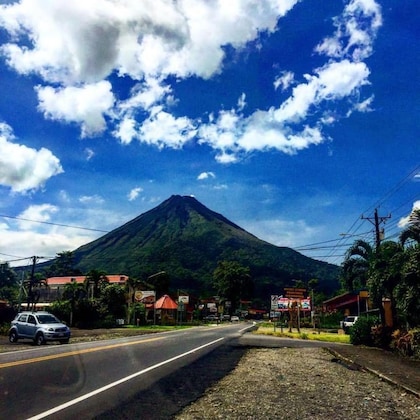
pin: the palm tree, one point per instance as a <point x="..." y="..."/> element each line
<point x="356" y="265"/>
<point x="408" y="290"/>
<point x="73" y="292"/>
<point x="95" y="281"/>
<point x="385" y="274"/>
<point x="412" y="231"/>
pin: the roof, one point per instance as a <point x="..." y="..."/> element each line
<point x="165" y="302"/>
<point x="112" y="278"/>
<point x="345" y="299"/>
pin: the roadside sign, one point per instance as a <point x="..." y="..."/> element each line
<point x="274" y="302"/>
<point x="183" y="299"/>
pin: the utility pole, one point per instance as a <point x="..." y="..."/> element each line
<point x="31" y="283"/>
<point x="376" y="220"/>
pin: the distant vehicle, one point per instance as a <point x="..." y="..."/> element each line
<point x="348" y="322"/>
<point x="211" y="318"/>
<point x="234" y="318"/>
<point x="226" y="318"/>
<point x="39" y="327"/>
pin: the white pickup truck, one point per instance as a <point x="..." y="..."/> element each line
<point x="348" y="322"/>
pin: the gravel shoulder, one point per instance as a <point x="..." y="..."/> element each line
<point x="300" y="383"/>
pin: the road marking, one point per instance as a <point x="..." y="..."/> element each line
<point x="75" y="352"/>
<point x="119" y="382"/>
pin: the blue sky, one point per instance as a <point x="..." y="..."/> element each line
<point x="291" y="118"/>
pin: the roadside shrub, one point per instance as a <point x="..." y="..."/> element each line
<point x="407" y="343"/>
<point x="108" y="322"/>
<point x="331" y="320"/>
<point x="361" y="332"/>
<point x="381" y="336"/>
<point x="4" y="328"/>
<point x="61" y="309"/>
<point x="304" y="336"/>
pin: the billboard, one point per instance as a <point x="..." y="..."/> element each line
<point x="144" y="295"/>
<point x="285" y="303"/>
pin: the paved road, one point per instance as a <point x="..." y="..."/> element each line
<point x="92" y="379"/>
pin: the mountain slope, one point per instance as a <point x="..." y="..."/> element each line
<point x="186" y="239"/>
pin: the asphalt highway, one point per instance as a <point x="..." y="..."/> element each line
<point x="116" y="378"/>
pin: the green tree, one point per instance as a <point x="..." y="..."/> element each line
<point x="384" y="275"/>
<point x="9" y="287"/>
<point x="95" y="281"/>
<point x="73" y="292"/>
<point x="113" y="301"/>
<point x="356" y="265"/>
<point x="233" y="282"/>
<point x="407" y="292"/>
<point x="63" y="265"/>
<point x="412" y="231"/>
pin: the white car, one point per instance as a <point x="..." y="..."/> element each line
<point x="348" y="322"/>
<point x="234" y="318"/>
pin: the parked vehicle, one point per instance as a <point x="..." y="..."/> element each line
<point x="212" y="318"/>
<point x="39" y="327"/>
<point x="348" y="322"/>
<point x="234" y="318"/>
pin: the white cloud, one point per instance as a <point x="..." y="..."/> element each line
<point x="91" y="199"/>
<point x="85" y="41"/>
<point x="77" y="45"/>
<point x="134" y="193"/>
<point x="22" y="168"/>
<point x="284" y="80"/>
<point x="356" y="31"/>
<point x="282" y="232"/>
<point x="89" y="153"/>
<point x="163" y="129"/>
<point x="36" y="213"/>
<point x="85" y="105"/>
<point x="205" y="175"/>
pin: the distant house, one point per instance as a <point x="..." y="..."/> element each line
<point x="56" y="284"/>
<point x="350" y="303"/>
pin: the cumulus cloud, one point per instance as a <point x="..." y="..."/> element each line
<point x="205" y="175"/>
<point x="22" y="168"/>
<point x="85" y="105"/>
<point x="30" y="217"/>
<point x="164" y="130"/>
<point x="134" y="193"/>
<point x="77" y="48"/>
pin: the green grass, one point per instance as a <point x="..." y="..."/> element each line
<point x="305" y="334"/>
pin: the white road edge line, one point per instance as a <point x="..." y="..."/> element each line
<point x="120" y="381"/>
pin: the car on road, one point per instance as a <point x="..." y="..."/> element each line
<point x="39" y="327"/>
<point x="234" y="318"/>
<point x="348" y="322"/>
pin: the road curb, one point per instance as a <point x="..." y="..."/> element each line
<point x="375" y="372"/>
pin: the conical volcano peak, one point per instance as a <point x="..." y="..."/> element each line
<point x="187" y="240"/>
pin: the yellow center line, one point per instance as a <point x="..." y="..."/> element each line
<point x="76" y="352"/>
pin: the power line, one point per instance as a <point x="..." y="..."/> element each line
<point x="53" y="224"/>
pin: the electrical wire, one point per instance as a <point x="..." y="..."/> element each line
<point x="54" y="224"/>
